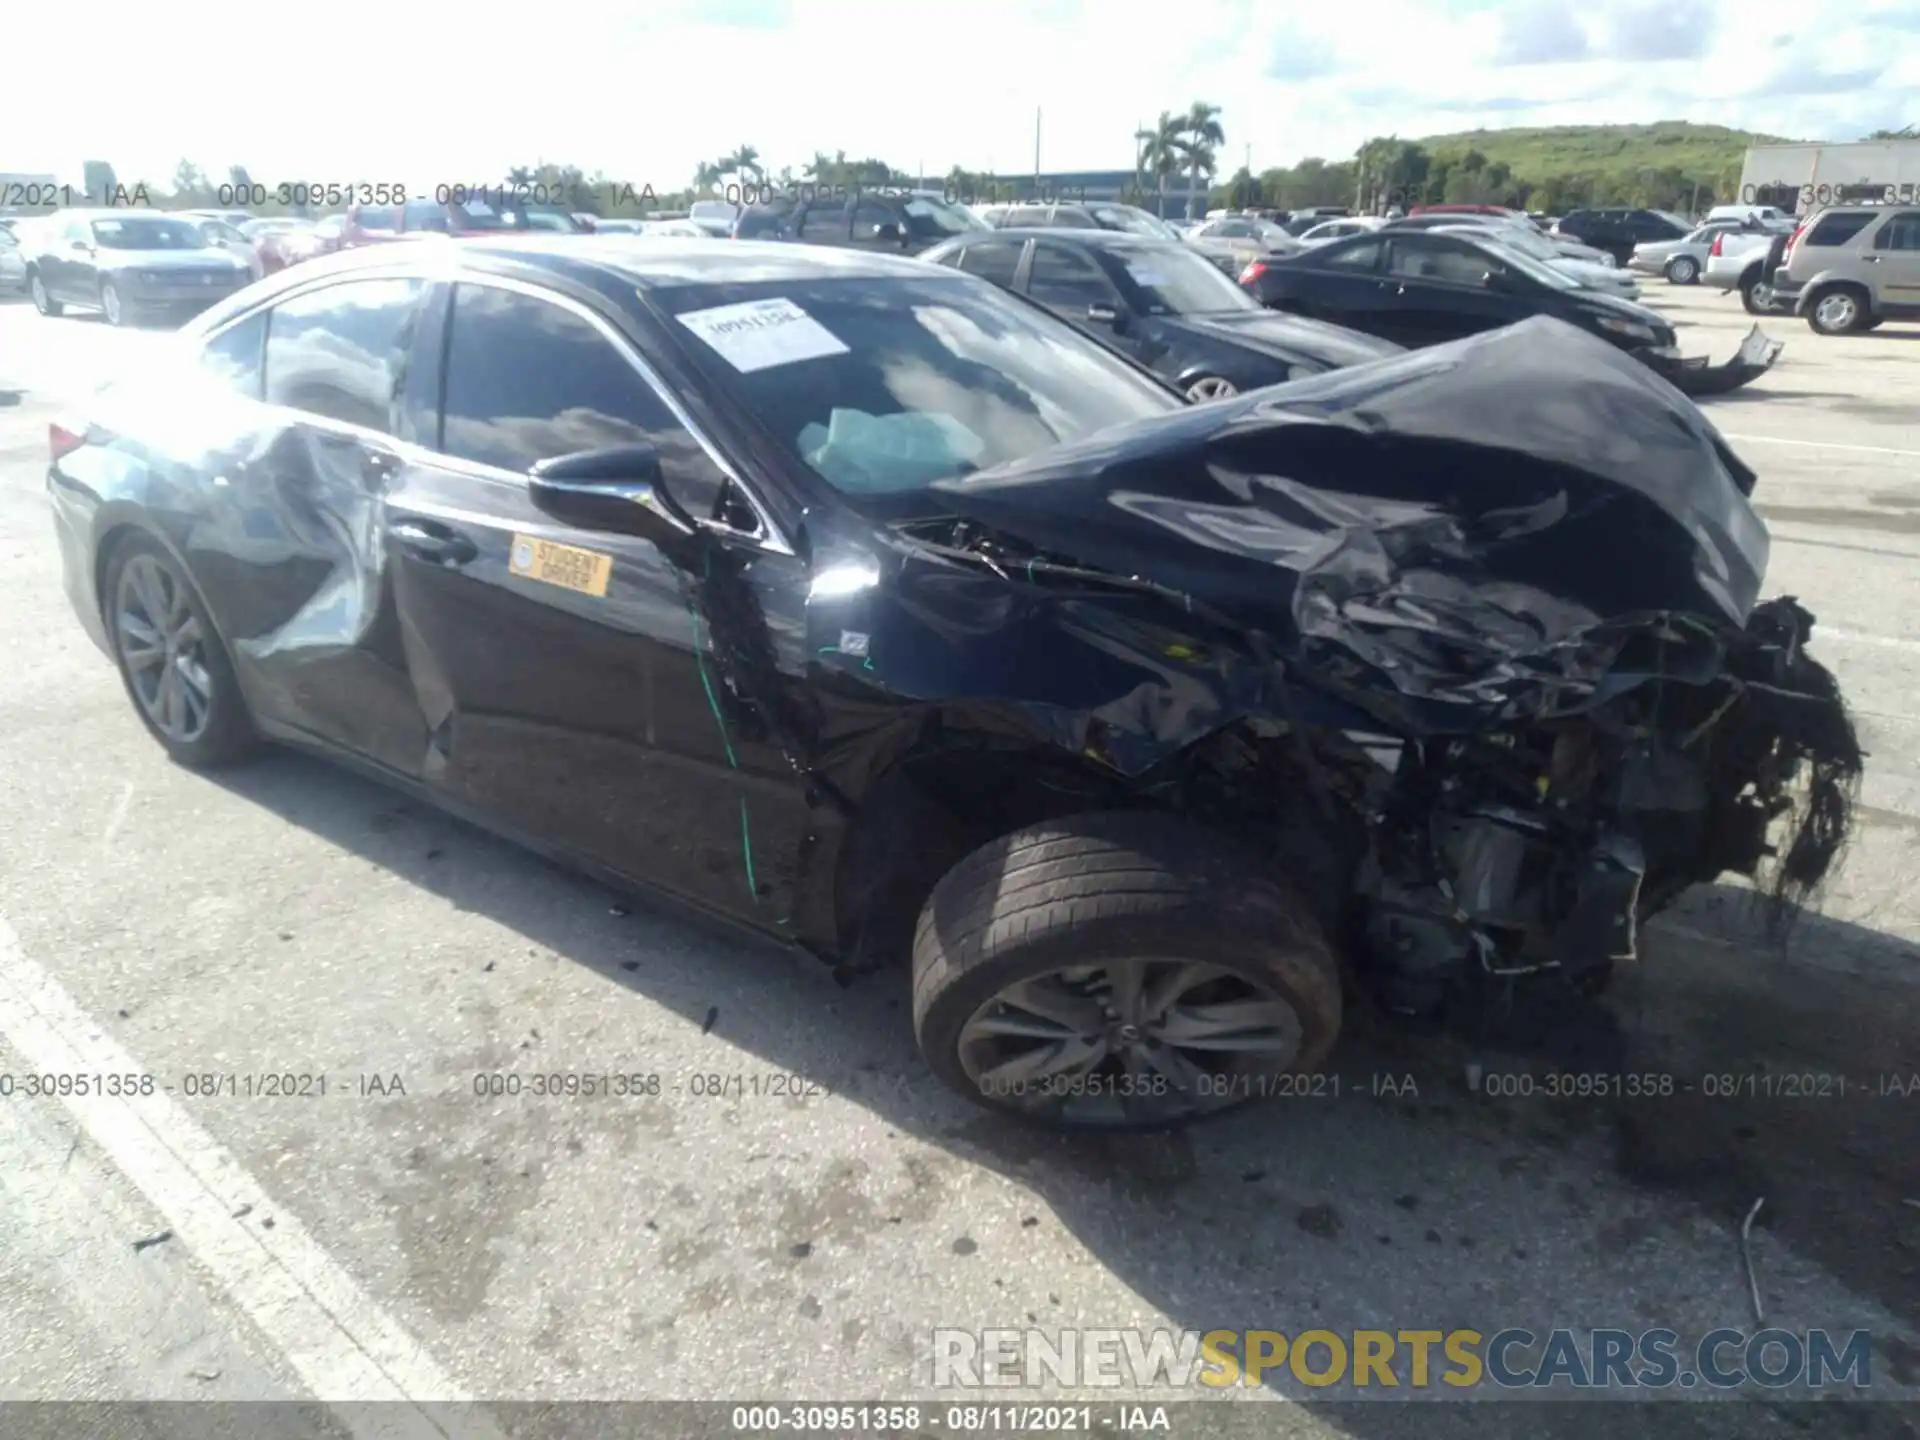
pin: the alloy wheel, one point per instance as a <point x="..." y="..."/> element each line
<point x="1131" y="1040"/>
<point x="1684" y="271"/>
<point x="163" y="646"/>
<point x="1210" y="387"/>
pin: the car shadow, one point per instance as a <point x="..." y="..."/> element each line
<point x="1329" y="1210"/>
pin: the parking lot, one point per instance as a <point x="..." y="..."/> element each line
<point x="424" y="1241"/>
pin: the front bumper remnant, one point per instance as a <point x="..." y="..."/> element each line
<point x="1694" y="376"/>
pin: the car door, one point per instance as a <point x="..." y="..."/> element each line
<point x="1069" y="281"/>
<point x="1894" y="261"/>
<point x="291" y="559"/>
<point x="566" y="673"/>
<point x="995" y="260"/>
<point x="1340" y="282"/>
<point x="68" y="268"/>
<point x="1440" y="288"/>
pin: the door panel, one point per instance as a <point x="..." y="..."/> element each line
<point x="593" y="719"/>
<point x="1435" y="291"/>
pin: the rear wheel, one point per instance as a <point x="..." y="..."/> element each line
<point x="1120" y="970"/>
<point x="42" y="301"/>
<point x="1755" y="293"/>
<point x="176" y="670"/>
<point x="1683" y="270"/>
<point x="1836" y="310"/>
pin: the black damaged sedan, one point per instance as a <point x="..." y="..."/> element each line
<point x="870" y="607"/>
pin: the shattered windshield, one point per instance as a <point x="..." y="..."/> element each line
<point x="885" y="386"/>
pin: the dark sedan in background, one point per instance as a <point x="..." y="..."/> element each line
<point x="887" y="222"/>
<point x="129" y="265"/>
<point x="1162" y="306"/>
<point x="1425" y="287"/>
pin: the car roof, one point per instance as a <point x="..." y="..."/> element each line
<point x="1106" y="239"/>
<point x="645" y="262"/>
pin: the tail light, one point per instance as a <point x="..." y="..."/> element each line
<point x="1255" y="269"/>
<point x="1719" y="244"/>
<point x="1793" y="242"/>
<point x="63" y="440"/>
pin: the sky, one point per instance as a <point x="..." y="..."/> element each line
<point x="403" y="91"/>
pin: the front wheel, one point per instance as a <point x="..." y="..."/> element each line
<point x="42" y="301"/>
<point x="1210" y="387"/>
<point x="1683" y="270"/>
<point x="1120" y="970"/>
<point x="1836" y="311"/>
<point x="176" y="670"/>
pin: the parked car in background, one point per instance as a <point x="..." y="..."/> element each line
<point x="1617" y="229"/>
<point x="681" y="229"/>
<point x="13" y="261"/>
<point x="1608" y="279"/>
<point x="1423" y="287"/>
<point x="548" y="218"/>
<point x="902" y="223"/>
<point x="588" y="222"/>
<point x="279" y="249"/>
<point x="235" y="218"/>
<point x="1233" y="242"/>
<point x="1567" y="245"/>
<point x="268" y="237"/>
<point x="1092" y="216"/>
<point x="1339" y="229"/>
<point x="1852" y="267"/>
<point x="1161" y="305"/>
<point x="375" y="224"/>
<point x="1298" y="222"/>
<point x="1684" y="260"/>
<point x="715" y="217"/>
<point x="219" y="235"/>
<point x="129" y="265"/>
<point x="1745" y="260"/>
<point x="623" y="226"/>
<point x="1503" y="212"/>
<point x="1770" y="215"/>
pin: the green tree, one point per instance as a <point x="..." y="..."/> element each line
<point x="100" y="180"/>
<point x="190" y="183"/>
<point x="521" y="176"/>
<point x="1160" y="152"/>
<point x="1199" y="138"/>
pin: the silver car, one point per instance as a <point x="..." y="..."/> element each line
<point x="13" y="261"/>
<point x="1683" y="261"/>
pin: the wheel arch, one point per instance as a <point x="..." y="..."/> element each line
<point x="114" y="528"/>
<point x="1827" y="280"/>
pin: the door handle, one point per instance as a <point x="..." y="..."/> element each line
<point x="1871" y="259"/>
<point x="434" y="543"/>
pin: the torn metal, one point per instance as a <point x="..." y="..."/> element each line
<point x="1696" y="376"/>
<point x="1467" y="639"/>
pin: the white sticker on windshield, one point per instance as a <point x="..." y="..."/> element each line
<point x="1147" y="276"/>
<point x="760" y="334"/>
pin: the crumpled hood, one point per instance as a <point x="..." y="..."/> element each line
<point x="1448" y="538"/>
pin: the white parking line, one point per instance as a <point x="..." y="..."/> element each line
<point x="1819" y="444"/>
<point x="342" y="1345"/>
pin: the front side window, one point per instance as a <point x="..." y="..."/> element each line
<point x="883" y="386"/>
<point x="528" y="380"/>
<point x="340" y="352"/>
<point x="1067" y="279"/>
<point x="236" y="357"/>
<point x="1175" y="280"/>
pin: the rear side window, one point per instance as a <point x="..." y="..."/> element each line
<point x="237" y="357"/>
<point x="527" y="380"/>
<point x="1356" y="255"/>
<point x="340" y="353"/>
<point x="1838" y="228"/>
<point x="1901" y="232"/>
<point x="996" y="261"/>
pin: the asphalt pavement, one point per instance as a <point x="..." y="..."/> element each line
<point x="402" y="1237"/>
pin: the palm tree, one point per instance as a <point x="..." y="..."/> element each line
<point x="707" y="173"/>
<point x="1160" y="152"/>
<point x="744" y="161"/>
<point x="520" y="176"/>
<point x="1199" y="133"/>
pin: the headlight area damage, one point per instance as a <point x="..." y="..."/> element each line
<point x="1466" y="640"/>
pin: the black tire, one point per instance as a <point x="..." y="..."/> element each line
<point x="1101" y="888"/>
<point x="42" y="301"/>
<point x="1874" y="324"/>
<point x="1756" y="295"/>
<point x="1826" y="315"/>
<point x="1683" y="270"/>
<point x="229" y="735"/>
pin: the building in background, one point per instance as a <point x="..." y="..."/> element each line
<point x="1074" y="186"/>
<point x="1804" y="177"/>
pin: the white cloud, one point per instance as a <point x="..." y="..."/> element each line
<point x="406" y="91"/>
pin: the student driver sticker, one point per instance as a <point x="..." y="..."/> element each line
<point x="567" y="566"/>
<point x="760" y="334"/>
